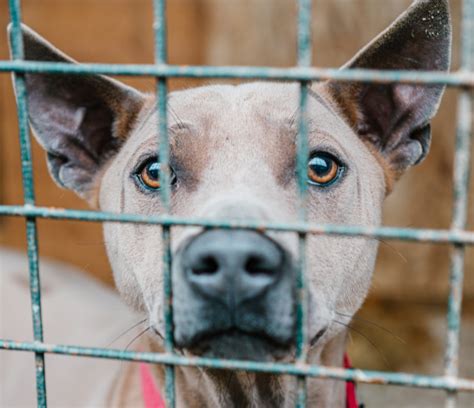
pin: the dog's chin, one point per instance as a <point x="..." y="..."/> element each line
<point x="237" y="345"/>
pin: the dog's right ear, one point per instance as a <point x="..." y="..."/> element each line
<point x="395" y="118"/>
<point x="80" y="120"/>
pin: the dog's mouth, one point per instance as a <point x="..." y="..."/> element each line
<point x="235" y="343"/>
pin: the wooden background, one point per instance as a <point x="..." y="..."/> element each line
<point x="409" y="277"/>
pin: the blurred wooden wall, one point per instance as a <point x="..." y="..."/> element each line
<point x="225" y="32"/>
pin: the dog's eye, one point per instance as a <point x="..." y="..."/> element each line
<point x="149" y="175"/>
<point x="323" y="169"/>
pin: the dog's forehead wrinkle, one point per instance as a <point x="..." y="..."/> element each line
<point x="273" y="105"/>
<point x="275" y="99"/>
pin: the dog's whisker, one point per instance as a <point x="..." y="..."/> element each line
<point x="125" y="332"/>
<point x="173" y="115"/>
<point x="247" y="374"/>
<point x="179" y="121"/>
<point x="231" y="373"/>
<point x="390" y="246"/>
<point x="316" y="338"/>
<point x="122" y="362"/>
<point x="136" y="338"/>
<point x="384" y="359"/>
<point x="384" y="242"/>
<point x="378" y="326"/>
<point x="351" y="339"/>
<point x="387" y="244"/>
<point x="157" y="332"/>
<point x="200" y="373"/>
<point x="292" y="118"/>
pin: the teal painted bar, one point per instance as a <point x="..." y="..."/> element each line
<point x="362" y="376"/>
<point x="159" y="25"/>
<point x="304" y="33"/>
<point x="302" y="153"/>
<point x="392" y="233"/>
<point x="301" y="287"/>
<point x="455" y="79"/>
<point x="29" y="198"/>
<point x="462" y="165"/>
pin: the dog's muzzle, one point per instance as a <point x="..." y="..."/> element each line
<point x="230" y="288"/>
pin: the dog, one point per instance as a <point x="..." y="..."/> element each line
<point x="233" y="156"/>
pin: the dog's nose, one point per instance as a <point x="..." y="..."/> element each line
<point x="232" y="266"/>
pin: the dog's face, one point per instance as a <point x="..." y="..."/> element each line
<point x="233" y="156"/>
<point x="233" y="152"/>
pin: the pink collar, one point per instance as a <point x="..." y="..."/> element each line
<point x="152" y="397"/>
<point x="351" y="397"/>
<point x="151" y="394"/>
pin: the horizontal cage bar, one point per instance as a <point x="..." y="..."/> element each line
<point x="393" y="233"/>
<point x="455" y="79"/>
<point x="361" y="376"/>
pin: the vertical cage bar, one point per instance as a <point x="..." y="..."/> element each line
<point x="159" y="27"/>
<point x="304" y="60"/>
<point x="29" y="198"/>
<point x="460" y="191"/>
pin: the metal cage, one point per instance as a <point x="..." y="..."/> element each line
<point x="457" y="235"/>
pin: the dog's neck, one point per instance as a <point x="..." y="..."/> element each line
<point x="196" y="387"/>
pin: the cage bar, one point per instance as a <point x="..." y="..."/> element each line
<point x="29" y="197"/>
<point x="336" y="373"/>
<point x="159" y="26"/>
<point x="459" y="79"/>
<point x="420" y="235"/>
<point x="462" y="161"/>
<point x="304" y="60"/>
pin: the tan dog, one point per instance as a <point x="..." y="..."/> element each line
<point x="233" y="156"/>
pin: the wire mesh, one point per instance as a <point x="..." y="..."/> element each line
<point x="457" y="235"/>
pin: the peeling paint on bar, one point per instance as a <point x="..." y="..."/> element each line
<point x="363" y="376"/>
<point x="455" y="79"/>
<point x="462" y="163"/>
<point x="392" y="233"/>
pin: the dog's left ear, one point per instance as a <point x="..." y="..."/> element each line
<point x="395" y="118"/>
<point x="81" y="121"/>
